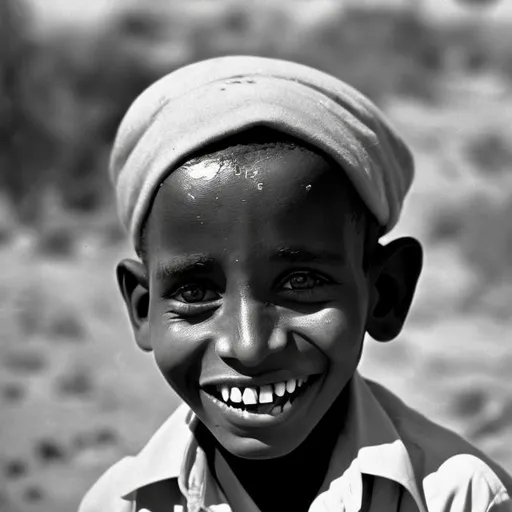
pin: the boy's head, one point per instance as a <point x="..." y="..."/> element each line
<point x="261" y="272"/>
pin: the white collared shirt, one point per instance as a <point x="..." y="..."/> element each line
<point x="388" y="458"/>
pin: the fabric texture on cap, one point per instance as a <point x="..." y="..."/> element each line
<point x="210" y="100"/>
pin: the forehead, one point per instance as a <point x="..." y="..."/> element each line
<point x="271" y="195"/>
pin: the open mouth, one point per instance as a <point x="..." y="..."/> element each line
<point x="270" y="399"/>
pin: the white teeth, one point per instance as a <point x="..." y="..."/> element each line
<point x="266" y="395"/>
<point x="263" y="395"/>
<point x="280" y="388"/>
<point x="236" y="395"/>
<point x="250" y="396"/>
<point x="290" y="385"/>
<point x="287" y="406"/>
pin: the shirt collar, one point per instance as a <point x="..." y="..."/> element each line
<point x="369" y="438"/>
<point x="370" y="444"/>
<point x="163" y="456"/>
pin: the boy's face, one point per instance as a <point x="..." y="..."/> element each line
<point x="256" y="279"/>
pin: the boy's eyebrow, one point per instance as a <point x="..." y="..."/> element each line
<point x="303" y="255"/>
<point x="182" y="264"/>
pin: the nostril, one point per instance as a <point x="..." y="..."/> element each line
<point x="251" y="351"/>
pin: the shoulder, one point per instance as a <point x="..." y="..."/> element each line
<point x="446" y="466"/>
<point x="118" y="488"/>
<point x="465" y="482"/>
<point x="105" y="494"/>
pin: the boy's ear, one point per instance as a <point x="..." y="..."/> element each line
<point x="133" y="283"/>
<point x="395" y="275"/>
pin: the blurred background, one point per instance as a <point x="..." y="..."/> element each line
<point x="75" y="394"/>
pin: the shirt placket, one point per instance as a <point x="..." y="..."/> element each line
<point x="196" y="483"/>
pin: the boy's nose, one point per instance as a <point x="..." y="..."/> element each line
<point x="249" y="333"/>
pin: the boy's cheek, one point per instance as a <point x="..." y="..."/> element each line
<point x="178" y="349"/>
<point x="336" y="332"/>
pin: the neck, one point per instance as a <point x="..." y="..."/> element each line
<point x="287" y="481"/>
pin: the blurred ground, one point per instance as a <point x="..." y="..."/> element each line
<point x="73" y="387"/>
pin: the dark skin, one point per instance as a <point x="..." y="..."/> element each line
<point x="290" y="489"/>
<point x="257" y="277"/>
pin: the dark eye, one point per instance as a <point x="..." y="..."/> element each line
<point x="302" y="281"/>
<point x="193" y="293"/>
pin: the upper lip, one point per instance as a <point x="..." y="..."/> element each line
<point x="243" y="381"/>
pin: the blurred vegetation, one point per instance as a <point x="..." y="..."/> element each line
<point x="62" y="95"/>
<point x="482" y="231"/>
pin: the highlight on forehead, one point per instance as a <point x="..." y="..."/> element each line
<point x="244" y="148"/>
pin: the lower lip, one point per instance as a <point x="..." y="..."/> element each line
<point x="250" y="419"/>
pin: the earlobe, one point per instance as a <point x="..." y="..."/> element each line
<point x="396" y="274"/>
<point x="133" y="284"/>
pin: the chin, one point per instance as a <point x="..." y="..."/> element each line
<point x="255" y="449"/>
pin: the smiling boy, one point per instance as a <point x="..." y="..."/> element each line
<point x="255" y="192"/>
